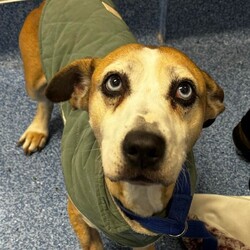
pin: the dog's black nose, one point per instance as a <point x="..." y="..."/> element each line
<point x="143" y="149"/>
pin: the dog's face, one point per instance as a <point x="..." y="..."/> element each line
<point x="147" y="107"/>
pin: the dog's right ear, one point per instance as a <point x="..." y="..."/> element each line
<point x="72" y="83"/>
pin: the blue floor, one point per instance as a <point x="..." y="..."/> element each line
<point x="215" y="34"/>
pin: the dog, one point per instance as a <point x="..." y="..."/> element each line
<point x="146" y="105"/>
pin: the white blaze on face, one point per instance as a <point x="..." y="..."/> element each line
<point x="147" y="104"/>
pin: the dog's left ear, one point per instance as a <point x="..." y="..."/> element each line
<point x="72" y="83"/>
<point x="215" y="98"/>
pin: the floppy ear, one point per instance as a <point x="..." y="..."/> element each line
<point x="215" y="98"/>
<point x="72" y="83"/>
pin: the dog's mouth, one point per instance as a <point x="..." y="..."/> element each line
<point x="138" y="180"/>
<point x="141" y="180"/>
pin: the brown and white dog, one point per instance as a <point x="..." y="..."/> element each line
<point x="161" y="98"/>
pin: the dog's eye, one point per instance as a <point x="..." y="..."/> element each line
<point x="113" y="83"/>
<point x="184" y="91"/>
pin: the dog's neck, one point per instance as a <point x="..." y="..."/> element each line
<point x="142" y="200"/>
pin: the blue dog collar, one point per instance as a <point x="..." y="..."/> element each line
<point x="176" y="224"/>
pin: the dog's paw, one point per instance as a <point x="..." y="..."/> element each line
<point x="32" y="141"/>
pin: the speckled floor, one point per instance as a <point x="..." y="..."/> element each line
<point x="215" y="34"/>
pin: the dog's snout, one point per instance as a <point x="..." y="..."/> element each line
<point x="143" y="149"/>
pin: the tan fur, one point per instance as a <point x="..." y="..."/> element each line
<point x="110" y="9"/>
<point x="35" y="137"/>
<point x="148" y="104"/>
<point x="88" y="237"/>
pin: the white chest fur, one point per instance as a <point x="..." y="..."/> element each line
<point x="143" y="200"/>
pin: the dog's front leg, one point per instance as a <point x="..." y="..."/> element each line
<point x="89" y="237"/>
<point x="35" y="136"/>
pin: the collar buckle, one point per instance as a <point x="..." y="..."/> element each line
<point x="182" y="233"/>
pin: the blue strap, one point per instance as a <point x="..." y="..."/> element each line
<point x="155" y="224"/>
<point x="176" y="224"/>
